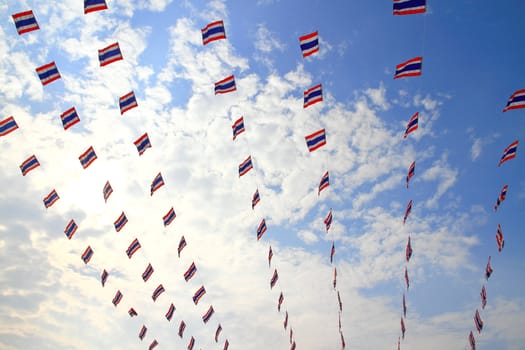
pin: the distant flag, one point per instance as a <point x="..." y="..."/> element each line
<point x="171" y="310"/>
<point x="157" y="292"/>
<point x="29" y="164"/>
<point x="285" y="323"/>
<point x="245" y="166"/>
<point x="309" y="44"/>
<point x="483" y="295"/>
<point x="104" y="277"/>
<point x="218" y="332"/>
<point x="261" y="229"/>
<point x="142" y="332"/>
<point x="132" y="312"/>
<point x="477" y="321"/>
<point x="291" y="335"/>
<point x="157" y="183"/>
<point x="293" y="346"/>
<point x="280" y="302"/>
<point x="339" y="301"/>
<point x="127" y="102"/>
<point x="169" y="217"/>
<point x="182" y="327"/>
<point x="407" y="280"/>
<point x="153" y="344"/>
<point x="488" y="270"/>
<point x="190" y="272"/>
<point x="148" y="272"/>
<point x="107" y="191"/>
<point x="70" y="229"/>
<point x="313" y="95"/>
<point x="182" y="244"/>
<point x="213" y="31"/>
<point x="499" y="238"/>
<point x="191" y="343"/>
<point x="69" y="118"/>
<point x="398" y="343"/>
<point x="407" y="211"/>
<point x="206" y="317"/>
<point x="328" y="220"/>
<point x="121" y="222"/>
<point x="88" y="157"/>
<point x="7" y="126"/>
<point x="51" y="198"/>
<point x="226" y="345"/>
<point x="94" y="5"/>
<point x="270" y="256"/>
<point x="403" y="329"/>
<point x="408" y="250"/>
<point x="48" y="73"/>
<point x="501" y="197"/>
<point x="133" y="247"/>
<point x="238" y="127"/>
<point x="256" y="198"/>
<point x="87" y="255"/>
<point x="472" y="341"/>
<point x="332" y="252"/>
<point x="324" y="183"/>
<point x="343" y="344"/>
<point x="198" y="295"/>
<point x="316" y="140"/>
<point x="411" y="126"/>
<point x="274" y="278"/>
<point x="404" y="306"/>
<point x="409" y="7"/>
<point x="25" y="22"/>
<point x="410" y="68"/>
<point x="516" y="100"/>
<point x="509" y="152"/>
<point x="117" y="298"/>
<point x="411" y="171"/>
<point x="142" y="143"/>
<point x="225" y="85"/>
<point x="335" y="278"/>
<point x="109" y="54"/>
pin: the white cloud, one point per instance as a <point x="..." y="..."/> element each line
<point x="378" y="96"/>
<point x="308" y="237"/>
<point x="266" y="41"/>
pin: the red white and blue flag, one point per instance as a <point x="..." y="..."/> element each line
<point x="191" y="343"/>
<point x="88" y="157"/>
<point x="411" y="171"/>
<point x="120" y="222"/>
<point x="324" y="183"/>
<point x="169" y="217"/>
<point x="407" y="280"/>
<point x="410" y="68"/>
<point x="213" y="31"/>
<point x="109" y="54"/>
<point x="171" y="310"/>
<point x="48" y="73"/>
<point x="107" y="191"/>
<point x="488" y="270"/>
<point x="407" y="211"/>
<point x="87" y="255"/>
<point x="182" y="244"/>
<point x="403" y="328"/>
<point x="182" y="327"/>
<point x="477" y="321"/>
<point x="94" y="5"/>
<point x="273" y="280"/>
<point x="7" y="126"/>
<point x="404" y="306"/>
<point x="127" y="102"/>
<point x="133" y="247"/>
<point x="225" y="85"/>
<point x="226" y="345"/>
<point x="270" y="256"/>
<point x="328" y="220"/>
<point x="501" y="197"/>
<point x="472" y="341"/>
<point x="408" y="250"/>
<point x="198" y="295"/>
<point x="157" y="183"/>
<point x="25" y="22"/>
<point x="70" y="229"/>
<point x="335" y="277"/>
<point x="238" y="127"/>
<point x="51" y="198"/>
<point x="157" y="292"/>
<point x="261" y="229"/>
<point x="142" y="143"/>
<point x="412" y="124"/>
<point x="245" y="166"/>
<point x="132" y="312"/>
<point x="29" y="164"/>
<point x="409" y="7"/>
<point x="142" y="332"/>
<point x="280" y="302"/>
<point x="117" y="298"/>
<point x="509" y="152"/>
<point x="309" y="44"/>
<point x="104" y="277"/>
<point x="499" y="238"/>
<point x="483" y="295"/>
<point x="285" y="323"/>
<point x="332" y="252"/>
<point x="153" y="344"/>
<point x="69" y="118"/>
<point x="516" y="100"/>
<point x="218" y="332"/>
<point x="313" y="95"/>
<point x="206" y="317"/>
<point x="316" y="140"/>
<point x="256" y="198"/>
<point x="190" y="272"/>
<point x="148" y="272"/>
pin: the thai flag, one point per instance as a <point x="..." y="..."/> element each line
<point x="190" y="272"/>
<point x="309" y="44"/>
<point x="410" y="68"/>
<point x="292" y="347"/>
<point x="483" y="295"/>
<point x="409" y="7"/>
<point x="206" y="317"/>
<point x="280" y="302"/>
<point x="142" y="143"/>
<point x="142" y="332"/>
<point x="343" y="344"/>
<point x="87" y="255"/>
<point x="238" y="127"/>
<point x="104" y="277"/>
<point x="404" y="306"/>
<point x="182" y="244"/>
<point x="169" y="217"/>
<point x="225" y="85"/>
<point x="256" y="198"/>
<point x="70" y="229"/>
<point x="407" y="280"/>
<point x="29" y="164"/>
<point x="127" y="102"/>
<point x="270" y="256"/>
<point x="313" y="95"/>
<point x="335" y="277"/>
<point x="157" y="292"/>
<point x="472" y="341"/>
<point x="408" y="250"/>
<point x="121" y="222"/>
<point x="291" y="334"/>
<point x="94" y="5"/>
<point x="198" y="295"/>
<point x="261" y="229"/>
<point x="412" y="124"/>
<point x="7" y="126"/>
<point x="109" y="54"/>
<point x="245" y="166"/>
<point x="226" y="345"/>
<point x="516" y="100"/>
<point x="182" y="327"/>
<point x="51" y="198"/>
<point x="69" y="118"/>
<point x="411" y="171"/>
<point x="218" y="332"/>
<point x="171" y="310"/>
<point x="48" y="73"/>
<point x="147" y="273"/>
<point x="132" y="312"/>
<point x="274" y="278"/>
<point x="501" y="197"/>
<point x="213" y="31"/>
<point x="403" y="329"/>
<point x="339" y="301"/>
<point x="285" y="323"/>
<point x="117" y="298"/>
<point x="407" y="211"/>
<point x="153" y="344"/>
<point x="134" y="246"/>
<point x="488" y="270"/>
<point x="316" y="140"/>
<point x="191" y="344"/>
<point x="87" y="157"/>
<point x="477" y="321"/>
<point x="499" y="238"/>
<point x="328" y="220"/>
<point x="107" y="191"/>
<point x="157" y="183"/>
<point x="25" y="22"/>
<point x="509" y="152"/>
<point x="332" y="252"/>
<point x="324" y="183"/>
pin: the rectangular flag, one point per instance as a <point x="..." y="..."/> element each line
<point x="407" y="211"/>
<point x="51" y="198"/>
<point x="25" y="22"/>
<point x="142" y="143"/>
<point x="332" y="252"/>
<point x="157" y="292"/>
<point x="324" y="183"/>
<point x="29" y="164"/>
<point x="472" y="341"/>
<point x="206" y="317"/>
<point x="182" y="244"/>
<point x="48" y="73"/>
<point x="499" y="238"/>
<point x="198" y="295"/>
<point x="127" y="102"/>
<point x="238" y="127"/>
<point x="313" y="95"/>
<point x="153" y="344"/>
<point x="218" y="332"/>
<point x="132" y="312"/>
<point x="104" y="277"/>
<point x="87" y="157"/>
<point x="412" y="124"/>
<point x="309" y="44"/>
<point x="340" y="302"/>
<point x="109" y="54"/>
<point x="213" y="31"/>
<point x="134" y="246"/>
<point x="403" y="329"/>
<point x="328" y="220"/>
<point x="182" y="327"/>
<point x="477" y="321"/>
<point x="256" y="198"/>
<point x="316" y="140"/>
<point x="261" y="229"/>
<point x="87" y="255"/>
<point x="483" y="295"/>
<point x="147" y="273"/>
<point x="488" y="270"/>
<point x="190" y="272"/>
<point x="285" y="323"/>
<point x="509" y="152"/>
<point x="121" y="222"/>
<point x="117" y="298"/>
<point x="94" y="5"/>
<point x="142" y="332"/>
<point x="7" y="126"/>
<point x="411" y="171"/>
<point x="171" y="310"/>
<point x="280" y="301"/>
<point x="169" y="217"/>
<point x="407" y="280"/>
<point x="157" y="183"/>
<point x="226" y="345"/>
<point x="410" y="68"/>
<point x="501" y="197"/>
<point x="274" y="278"/>
<point x="335" y="277"/>
<point x="293" y="346"/>
<point x="516" y="100"/>
<point x="69" y="118"/>
<point x="225" y="85"/>
<point x="191" y="343"/>
<point x="409" y="7"/>
<point x="404" y="306"/>
<point x="107" y="191"/>
<point x="408" y="250"/>
<point x="70" y="229"/>
<point x="245" y="166"/>
<point x="270" y="256"/>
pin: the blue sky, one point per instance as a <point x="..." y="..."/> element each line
<point x="471" y="65"/>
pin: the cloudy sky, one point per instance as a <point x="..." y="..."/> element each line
<point x="472" y="62"/>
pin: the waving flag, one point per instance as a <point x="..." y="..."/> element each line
<point x="488" y="270"/>
<point x="313" y="95"/>
<point x="411" y="171"/>
<point x="191" y="343"/>
<point x="127" y="102"/>
<point x="274" y="279"/>
<point x="411" y="126"/>
<point x="190" y="272"/>
<point x="403" y="329"/>
<point x="25" y="22"/>
<point x="69" y="118"/>
<point x="335" y="277"/>
<point x="157" y="292"/>
<point x="88" y="157"/>
<point x="324" y="183"/>
<point x="107" y="191"/>
<point x="213" y="31"/>
<point x="182" y="244"/>
<point x="104" y="277"/>
<point x="328" y="220"/>
<point x="404" y="306"/>
<point x="117" y="298"/>
<point x="157" y="183"/>
<point x="309" y="44"/>
<point x="343" y="344"/>
<point x="245" y="166"/>
<point x="408" y="250"/>
<point x="70" y="229"/>
<point x="226" y="345"/>
<point x="256" y="198"/>
<point x="238" y="127"/>
<point x="121" y="222"/>
<point x="409" y="7"/>
<point x="316" y="140"/>
<point x="410" y="68"/>
<point x="198" y="295"/>
<point x="109" y="54"/>
<point x="339" y="301"/>
<point x="7" y="126"/>
<point x="225" y="85"/>
<point x="270" y="256"/>
<point x="148" y="272"/>
<point x="218" y="332"/>
<point x="48" y="73"/>
<point x="407" y="211"/>
<point x="509" y="152"/>
<point x="94" y="5"/>
<point x="407" y="280"/>
<point x="142" y="143"/>
<point x="477" y="321"/>
<point x="206" y="317"/>
<point x="169" y="217"/>
<point x="499" y="238"/>
<point x="483" y="295"/>
<point x="51" y="198"/>
<point x="501" y="197"/>
<point x="294" y="346"/>
<point x="132" y="312"/>
<point x="516" y="100"/>
<point x="285" y="323"/>
<point x="170" y="312"/>
<point x="87" y="255"/>
<point x="182" y="327"/>
<point x="261" y="229"/>
<point x="472" y="341"/>
<point x="280" y="302"/>
<point x="332" y="252"/>
<point x="153" y="344"/>
<point x="142" y="332"/>
<point x="29" y="164"/>
<point x="134" y="246"/>
<point x="291" y="335"/>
